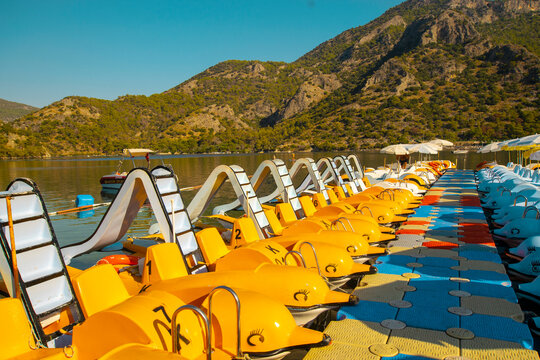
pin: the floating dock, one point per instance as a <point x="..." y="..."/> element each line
<point x="441" y="293"/>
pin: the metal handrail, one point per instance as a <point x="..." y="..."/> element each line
<point x="297" y="253"/>
<point x="339" y="220"/>
<point x="521" y="196"/>
<point x="528" y="208"/>
<point x="239" y="353"/>
<point x="175" y="334"/>
<point x="314" y="254"/>
<point x="361" y="210"/>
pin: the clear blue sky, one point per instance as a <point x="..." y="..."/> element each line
<point x="51" y="49"/>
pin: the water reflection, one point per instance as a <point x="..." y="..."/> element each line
<point x="61" y="180"/>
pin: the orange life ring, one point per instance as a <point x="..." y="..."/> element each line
<point x="119" y="259"/>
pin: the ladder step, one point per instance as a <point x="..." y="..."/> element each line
<point x="170" y="193"/>
<point x="164" y="176"/>
<point x="18" y="221"/>
<point x="44" y="278"/>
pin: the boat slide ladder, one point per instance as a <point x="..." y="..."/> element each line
<point x="35" y="271"/>
<point x="160" y="188"/>
<point x="312" y="180"/>
<point x="246" y="197"/>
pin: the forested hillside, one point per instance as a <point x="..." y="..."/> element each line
<point x="457" y="69"/>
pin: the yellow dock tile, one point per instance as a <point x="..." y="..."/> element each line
<point x="423" y="342"/>
<point x="377" y="279"/>
<point x="399" y="250"/>
<point x="493" y="306"/>
<point x="380" y="293"/>
<point x="381" y="287"/>
<point x="340" y="351"/>
<point x="483" y="265"/>
<point x="414" y="227"/>
<point x="356" y="332"/>
<point x="488" y="349"/>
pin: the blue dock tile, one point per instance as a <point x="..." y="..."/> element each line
<point x="489" y="290"/>
<point x="407" y="357"/>
<point x="500" y="328"/>
<point x="437" y="285"/>
<point x="480" y="255"/>
<point x="490" y="277"/>
<point x="395" y="259"/>
<point x="430" y="272"/>
<point x="425" y="317"/>
<point x="368" y="311"/>
<point x="438" y="262"/>
<point x="428" y="298"/>
<point x="392" y="269"/>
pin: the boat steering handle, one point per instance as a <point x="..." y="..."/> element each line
<point x="361" y="210"/>
<point x="239" y="353"/>
<point x="175" y="334"/>
<point x="521" y="196"/>
<point x="528" y="208"/>
<point x="314" y="254"/>
<point x="297" y="253"/>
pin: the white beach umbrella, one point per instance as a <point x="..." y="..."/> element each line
<point x="441" y="142"/>
<point x="530" y="140"/>
<point x="425" y="148"/>
<point x="397" y="149"/>
<point x="535" y="155"/>
<point x="494" y="146"/>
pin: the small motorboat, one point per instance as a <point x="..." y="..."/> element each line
<point x="111" y="183"/>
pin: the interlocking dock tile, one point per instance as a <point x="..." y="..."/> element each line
<point x="430" y="298"/>
<point x="434" y="285"/>
<point x="414" y="227"/>
<point x="395" y="259"/>
<point x="493" y="306"/>
<point x="381" y="287"/>
<point x="499" y="328"/>
<point x="491" y="277"/>
<point x="360" y="333"/>
<point x="446" y="232"/>
<point x="428" y="272"/>
<point x="491" y="290"/>
<point x="428" y="317"/>
<point x="392" y="268"/>
<point x="411" y="237"/>
<point x="438" y="261"/>
<point x="483" y="265"/>
<point x="368" y="311"/>
<point x="410" y="231"/>
<point x="435" y="237"/>
<point x="481" y="348"/>
<point x="483" y="253"/>
<point x="408" y="357"/>
<point x="340" y="351"/>
<point x="417" y="222"/>
<point x="440" y="244"/>
<point x="439" y="253"/>
<point x="424" y="342"/>
<point x="402" y="250"/>
<point x="407" y="243"/>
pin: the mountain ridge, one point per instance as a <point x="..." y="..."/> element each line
<point x="11" y="110"/>
<point x="459" y="69"/>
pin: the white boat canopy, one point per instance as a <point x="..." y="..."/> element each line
<point x="137" y="152"/>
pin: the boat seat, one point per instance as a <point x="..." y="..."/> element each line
<point x="99" y="288"/>
<point x="211" y="244"/>
<point x="16" y="334"/>
<point x="163" y="262"/>
<point x="285" y="214"/>
<point x="307" y="205"/>
<point x="244" y="232"/>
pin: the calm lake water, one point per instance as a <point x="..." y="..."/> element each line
<point x="61" y="180"/>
